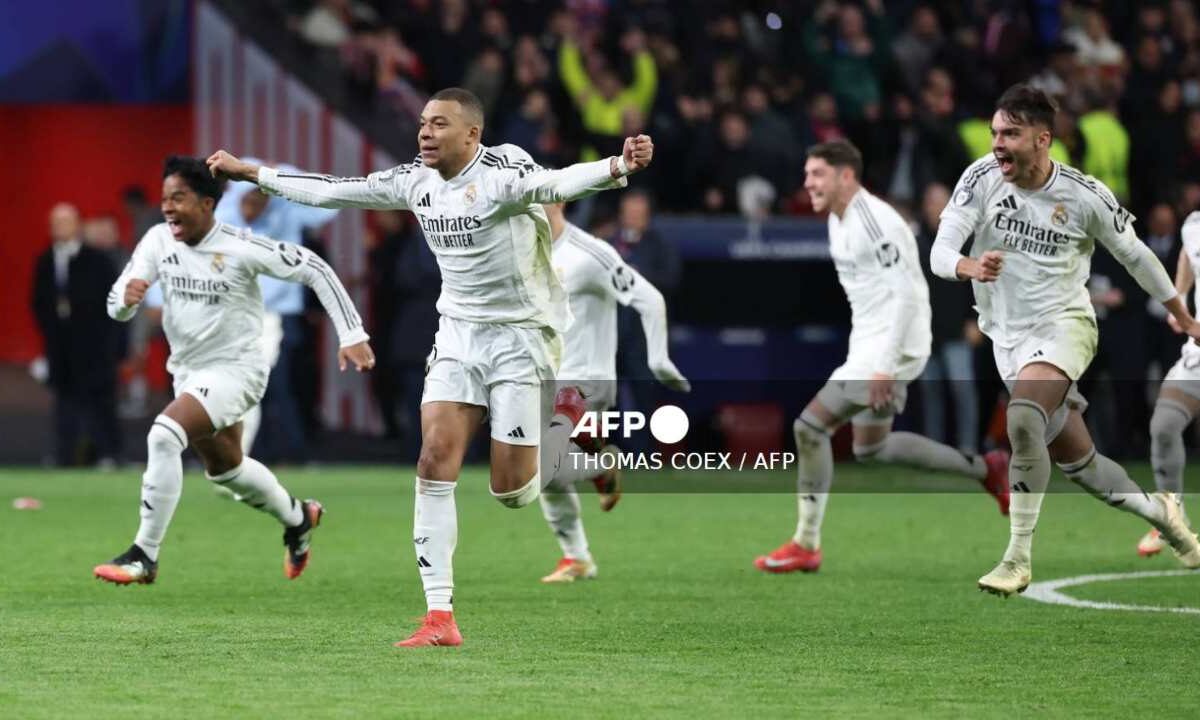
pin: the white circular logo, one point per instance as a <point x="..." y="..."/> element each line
<point x="669" y="424"/>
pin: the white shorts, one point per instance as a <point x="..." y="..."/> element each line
<point x="506" y="369"/>
<point x="847" y="393"/>
<point x="1184" y="375"/>
<point x="226" y="393"/>
<point x="1069" y="345"/>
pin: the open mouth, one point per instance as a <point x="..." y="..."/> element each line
<point x="175" y="227"/>
<point x="1006" y="163"/>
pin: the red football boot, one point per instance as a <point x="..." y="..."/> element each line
<point x="789" y="557"/>
<point x="996" y="482"/>
<point x="437" y="629"/>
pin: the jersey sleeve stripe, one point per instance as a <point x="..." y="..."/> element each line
<point x="973" y="176"/>
<point x="869" y="222"/>
<point x="352" y="320"/>
<point x="585" y="245"/>
<point x="1075" y="175"/>
<point x="325" y="178"/>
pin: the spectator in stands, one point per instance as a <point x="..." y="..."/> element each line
<point x="771" y="137"/>
<point x="142" y="215"/>
<point x="851" y="52"/>
<point x="601" y="97"/>
<point x="1157" y="142"/>
<point x="658" y="260"/>
<point x="940" y="156"/>
<point x="823" y="124"/>
<point x="1106" y="156"/>
<point x="1162" y="235"/>
<point x="916" y="48"/>
<point x="328" y="24"/>
<point x="1060" y="77"/>
<point x="534" y="127"/>
<point x="486" y="78"/>
<point x="1069" y="145"/>
<point x="733" y="161"/>
<point x="81" y="342"/>
<point x="1093" y="42"/>
<point x="418" y="283"/>
<point x="955" y="337"/>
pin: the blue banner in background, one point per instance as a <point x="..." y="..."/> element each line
<point x="115" y="51"/>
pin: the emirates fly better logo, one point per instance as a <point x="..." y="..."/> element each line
<point x="668" y="425"/>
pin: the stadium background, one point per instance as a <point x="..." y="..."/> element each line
<point x="731" y="92"/>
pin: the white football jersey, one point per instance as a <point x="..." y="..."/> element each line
<point x="877" y="262"/>
<point x="1047" y="236"/>
<point x="485" y="225"/>
<point x="1190" y="234"/>
<point x="596" y="279"/>
<point x="212" y="308"/>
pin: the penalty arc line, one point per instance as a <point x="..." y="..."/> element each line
<point x="1048" y="592"/>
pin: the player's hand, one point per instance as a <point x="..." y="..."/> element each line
<point x="1191" y="329"/>
<point x="638" y="152"/>
<point x="227" y="165"/>
<point x="360" y="355"/>
<point x="135" y="291"/>
<point x="666" y="373"/>
<point x="879" y="391"/>
<point x="984" y="269"/>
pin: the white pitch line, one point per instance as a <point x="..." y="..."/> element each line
<point x="1048" y="592"/>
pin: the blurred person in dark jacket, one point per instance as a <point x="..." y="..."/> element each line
<point x="81" y="343"/>
<point x="658" y="260"/>
<point x="955" y="337"/>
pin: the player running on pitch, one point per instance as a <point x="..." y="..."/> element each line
<point x="877" y="264"/>
<point x="502" y="308"/>
<point x="1035" y="223"/>
<point x="1179" y="397"/>
<point x="212" y="316"/>
<point x="596" y="279"/>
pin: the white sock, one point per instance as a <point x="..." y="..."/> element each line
<point x="577" y="466"/>
<point x="258" y="487"/>
<point x="162" y="483"/>
<point x="251" y="422"/>
<point x="919" y="451"/>
<point x="1109" y="482"/>
<point x="560" y="507"/>
<point x="1028" y="476"/>
<point x="814" y="470"/>
<point x="435" y="533"/>
<point x="1167" y="454"/>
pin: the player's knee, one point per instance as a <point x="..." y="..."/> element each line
<point x="521" y="496"/>
<point x="808" y="434"/>
<point x="871" y="452"/>
<point x="1026" y="425"/>
<point x="435" y="458"/>
<point x="1167" y="423"/>
<point x="166" y="437"/>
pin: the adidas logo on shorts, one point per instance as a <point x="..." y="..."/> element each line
<point x="517" y="432"/>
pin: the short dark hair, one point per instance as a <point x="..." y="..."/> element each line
<point x="839" y="153"/>
<point x="1028" y="105"/>
<point x="471" y="104"/>
<point x="194" y="172"/>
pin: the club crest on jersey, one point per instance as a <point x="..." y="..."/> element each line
<point x="963" y="196"/>
<point x="218" y="263"/>
<point x="469" y="195"/>
<point x="1059" y="216"/>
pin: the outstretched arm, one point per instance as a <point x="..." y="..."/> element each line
<point x="529" y="183"/>
<point x="299" y="264"/>
<point x="382" y="190"/>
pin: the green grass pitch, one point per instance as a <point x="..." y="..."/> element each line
<point x="678" y="624"/>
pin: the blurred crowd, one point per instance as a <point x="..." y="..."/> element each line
<point x="733" y="93"/>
